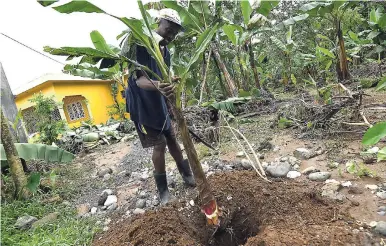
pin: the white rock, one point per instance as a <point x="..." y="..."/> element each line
<point x="205" y="167"/>
<point x="319" y="176"/>
<point x="347" y="184"/>
<point x="240" y="154"/>
<point x="373" y="150"/>
<point x="371" y="187"/>
<point x="304" y="154"/>
<point x="229" y="198"/>
<point x="94" y="210"/>
<point x="293" y="174"/>
<point x="106" y="228"/>
<point x="107" y="221"/>
<point x="373" y="224"/>
<point x="108" y="191"/>
<point x="138" y="211"/>
<point x="381" y="228"/>
<point x="246" y="164"/>
<point x="382" y="195"/>
<point x="191" y="202"/>
<point x="110" y="200"/>
<point x="296" y="167"/>
<point x="144" y="176"/>
<point x="279" y="169"/>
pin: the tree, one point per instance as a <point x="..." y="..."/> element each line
<point x="16" y="168"/>
<point x="334" y="12"/>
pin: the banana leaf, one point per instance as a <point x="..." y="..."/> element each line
<point x="44" y="152"/>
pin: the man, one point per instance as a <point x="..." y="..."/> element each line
<point x="149" y="111"/>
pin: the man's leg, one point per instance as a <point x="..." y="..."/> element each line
<point x="158" y="158"/>
<point x="176" y="153"/>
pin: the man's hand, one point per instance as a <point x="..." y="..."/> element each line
<point x="166" y="89"/>
<point x="176" y="79"/>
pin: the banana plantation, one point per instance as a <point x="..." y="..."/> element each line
<point x="257" y="122"/>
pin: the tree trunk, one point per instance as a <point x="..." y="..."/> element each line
<point x="205" y="69"/>
<point x="13" y="159"/>
<point x="222" y="85"/>
<point x="343" y="72"/>
<point x="243" y="77"/>
<point x="209" y="205"/>
<point x="230" y="84"/>
<point x="253" y="66"/>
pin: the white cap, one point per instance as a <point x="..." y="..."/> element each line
<point x="170" y="15"/>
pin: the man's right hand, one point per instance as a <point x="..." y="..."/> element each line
<point x="167" y="89"/>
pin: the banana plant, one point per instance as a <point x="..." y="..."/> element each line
<point x="287" y="50"/>
<point x="196" y="19"/>
<point x="332" y="11"/>
<point x="242" y="35"/>
<point x="143" y="35"/>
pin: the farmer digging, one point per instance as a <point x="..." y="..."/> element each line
<point x="149" y="111"/>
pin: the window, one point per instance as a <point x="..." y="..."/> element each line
<point x="75" y="111"/>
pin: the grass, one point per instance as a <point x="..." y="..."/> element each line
<point x="66" y="230"/>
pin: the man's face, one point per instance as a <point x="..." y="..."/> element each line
<point x="168" y="30"/>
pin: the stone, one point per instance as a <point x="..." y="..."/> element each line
<point x="246" y="164"/>
<point x="142" y="195"/>
<point x="264" y="165"/>
<point x="279" y="169"/>
<point x="382" y="208"/>
<point x="138" y="211"/>
<point x="107" y="176"/>
<point x="347" y="184"/>
<point x="355" y="190"/>
<point x="205" y="167"/>
<point x="110" y="200"/>
<point x="112" y="207"/>
<point x="333" y="165"/>
<point x="240" y="154"/>
<point x="293" y="174"/>
<point x="144" y="176"/>
<point x="284" y="159"/>
<point x="381" y="228"/>
<point x="382" y="195"/>
<point x="333" y="186"/>
<point x="140" y="203"/>
<point x="372" y="187"/>
<point x="49" y="218"/>
<point x="94" y="210"/>
<point x="293" y="160"/>
<point x="309" y="170"/>
<point x="102" y="199"/>
<point x="103" y="208"/>
<point x="101" y="173"/>
<point x="373" y="224"/>
<point x="319" y="176"/>
<point x="108" y="191"/>
<point x="381" y="213"/>
<point x="155" y="202"/>
<point x="83" y="209"/>
<point x="304" y="154"/>
<point x="191" y="202"/>
<point x="25" y="222"/>
<point x="296" y="167"/>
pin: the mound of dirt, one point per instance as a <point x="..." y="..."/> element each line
<point x="254" y="213"/>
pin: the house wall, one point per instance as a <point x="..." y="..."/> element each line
<point x="22" y="100"/>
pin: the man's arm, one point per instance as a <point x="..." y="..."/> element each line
<point x="146" y="84"/>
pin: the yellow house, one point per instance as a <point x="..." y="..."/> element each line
<point x="81" y="98"/>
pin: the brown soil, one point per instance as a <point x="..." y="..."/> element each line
<point x="254" y="213"/>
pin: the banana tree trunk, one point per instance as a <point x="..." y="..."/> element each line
<point x="242" y="73"/>
<point x="343" y="72"/>
<point x="224" y="90"/>
<point x="16" y="168"/>
<point x="205" y="68"/>
<point x="230" y="84"/>
<point x="253" y="66"/>
<point x="209" y="204"/>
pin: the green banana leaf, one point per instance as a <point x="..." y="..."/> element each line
<point x="45" y="152"/>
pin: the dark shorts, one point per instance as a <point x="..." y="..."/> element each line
<point x="151" y="137"/>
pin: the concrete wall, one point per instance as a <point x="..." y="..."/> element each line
<point x="9" y="107"/>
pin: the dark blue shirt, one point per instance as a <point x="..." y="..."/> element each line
<point x="147" y="107"/>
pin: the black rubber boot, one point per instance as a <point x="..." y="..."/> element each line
<point x="162" y="186"/>
<point x="186" y="173"/>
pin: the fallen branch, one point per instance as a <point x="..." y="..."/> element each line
<point x="365" y="119"/>
<point x="261" y="173"/>
<point x="347" y="90"/>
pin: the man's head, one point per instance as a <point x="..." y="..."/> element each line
<point x="169" y="25"/>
